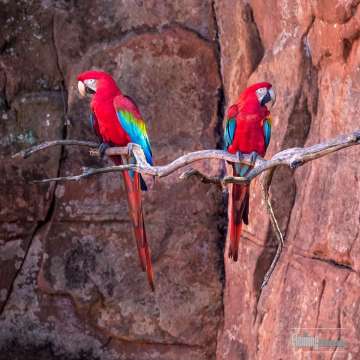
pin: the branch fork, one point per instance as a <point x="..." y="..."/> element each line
<point x="293" y="157"/>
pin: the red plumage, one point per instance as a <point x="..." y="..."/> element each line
<point x="102" y="105"/>
<point x="245" y="136"/>
<point x="249" y="115"/>
<point x="110" y="130"/>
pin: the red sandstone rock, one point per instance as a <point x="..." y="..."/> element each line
<point x="317" y="209"/>
<point x="69" y="274"/>
<point x="83" y="260"/>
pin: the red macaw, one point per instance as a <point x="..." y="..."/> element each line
<point x="247" y="130"/>
<point x="117" y="121"/>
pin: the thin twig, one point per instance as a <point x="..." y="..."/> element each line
<point x="267" y="179"/>
<point x="88" y="172"/>
<point x="34" y="149"/>
<point x="203" y="178"/>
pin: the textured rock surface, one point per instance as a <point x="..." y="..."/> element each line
<point x="312" y="59"/>
<point x="70" y="286"/>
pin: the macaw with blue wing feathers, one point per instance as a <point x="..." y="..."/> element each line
<point x="247" y="130"/>
<point x="117" y="121"/>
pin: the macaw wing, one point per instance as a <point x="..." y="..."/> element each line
<point x="229" y="132"/>
<point x="133" y="124"/>
<point x="267" y="131"/>
<point x="95" y="125"/>
<point x="230" y="126"/>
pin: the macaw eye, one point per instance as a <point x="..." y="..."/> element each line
<point x="90" y="86"/>
<point x="263" y="95"/>
<point x="260" y="93"/>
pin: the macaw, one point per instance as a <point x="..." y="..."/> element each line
<point x="117" y="121"/>
<point x="247" y="130"/>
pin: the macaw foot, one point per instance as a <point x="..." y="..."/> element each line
<point x="102" y="149"/>
<point x="131" y="147"/>
<point x="239" y="155"/>
<point x="253" y="156"/>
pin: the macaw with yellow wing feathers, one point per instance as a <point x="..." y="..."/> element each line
<point x="117" y="121"/>
<point x="247" y="130"/>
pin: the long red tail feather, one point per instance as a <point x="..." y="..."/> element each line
<point x="145" y="246"/>
<point x="238" y="205"/>
<point x="133" y="192"/>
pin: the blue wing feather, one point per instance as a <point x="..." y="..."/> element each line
<point x="136" y="130"/>
<point x="228" y="139"/>
<point x="94" y="125"/>
<point x="229" y="132"/>
<point x="92" y="120"/>
<point x="267" y="132"/>
<point x="132" y="123"/>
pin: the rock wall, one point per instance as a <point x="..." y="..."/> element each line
<point x="70" y="285"/>
<point x="310" y="51"/>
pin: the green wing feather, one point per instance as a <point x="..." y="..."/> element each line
<point x="267" y="131"/>
<point x="136" y="129"/>
<point x="229" y="132"/>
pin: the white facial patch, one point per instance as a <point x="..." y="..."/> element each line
<point x="260" y="93"/>
<point x="91" y="84"/>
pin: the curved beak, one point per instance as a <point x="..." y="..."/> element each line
<point x="272" y="94"/>
<point x="82" y="90"/>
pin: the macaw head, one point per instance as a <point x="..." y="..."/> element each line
<point x="92" y="82"/>
<point x="257" y="96"/>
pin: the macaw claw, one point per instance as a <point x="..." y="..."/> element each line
<point x="102" y="149"/>
<point x="240" y="155"/>
<point x="253" y="156"/>
<point x="130" y="147"/>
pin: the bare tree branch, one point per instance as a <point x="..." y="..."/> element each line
<point x="266" y="182"/>
<point x="293" y="157"/>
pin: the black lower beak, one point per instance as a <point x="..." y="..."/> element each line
<point x="89" y="91"/>
<point x="266" y="99"/>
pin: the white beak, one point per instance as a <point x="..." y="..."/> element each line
<point x="81" y="88"/>
<point x="273" y="96"/>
